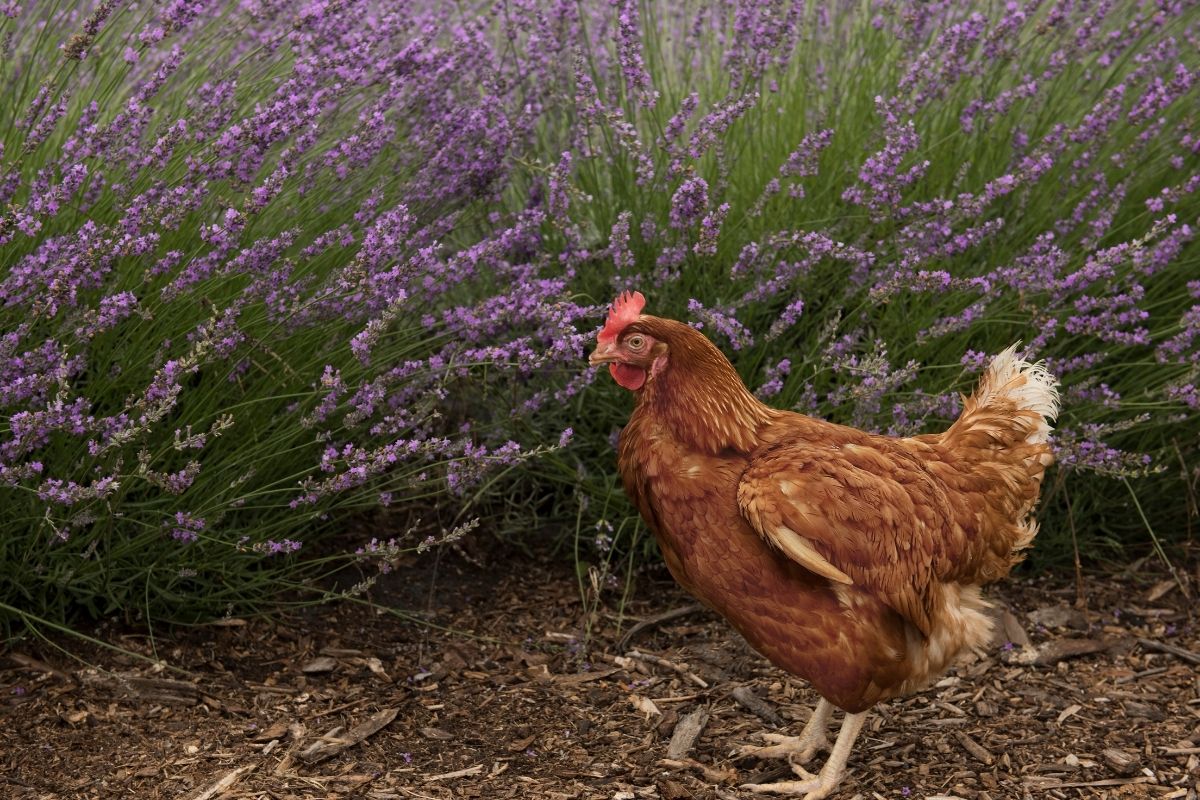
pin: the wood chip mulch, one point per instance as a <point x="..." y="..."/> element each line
<point x="514" y="690"/>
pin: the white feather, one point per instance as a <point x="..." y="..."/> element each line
<point x="1029" y="385"/>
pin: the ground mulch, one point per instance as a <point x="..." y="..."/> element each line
<point x="505" y="683"/>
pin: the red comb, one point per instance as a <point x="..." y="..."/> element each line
<point x="625" y="309"/>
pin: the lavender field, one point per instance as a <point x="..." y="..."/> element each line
<point x="270" y="266"/>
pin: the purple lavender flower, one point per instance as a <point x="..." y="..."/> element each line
<point x="185" y="527"/>
<point x="618" y="243"/>
<point x="710" y="231"/>
<point x="775" y="377"/>
<point x="629" y="52"/>
<point x="722" y="322"/>
<point x="689" y="202"/>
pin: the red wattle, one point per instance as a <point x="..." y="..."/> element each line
<point x="627" y="375"/>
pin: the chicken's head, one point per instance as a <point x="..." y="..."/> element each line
<point x="633" y="355"/>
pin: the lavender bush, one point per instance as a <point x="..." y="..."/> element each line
<point x="255" y="269"/>
<point x="266" y="263"/>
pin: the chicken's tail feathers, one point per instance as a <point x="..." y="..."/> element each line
<point x="1014" y="403"/>
<point x="1011" y="383"/>
<point x="1004" y="431"/>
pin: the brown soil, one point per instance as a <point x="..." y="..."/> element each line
<point x="511" y="696"/>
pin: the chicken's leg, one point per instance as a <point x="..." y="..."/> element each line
<point x="816" y="787"/>
<point x="797" y="749"/>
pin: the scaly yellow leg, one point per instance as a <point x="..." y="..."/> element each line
<point x="797" y="749"/>
<point x="816" y="787"/>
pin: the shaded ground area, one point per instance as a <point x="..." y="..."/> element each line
<point x="512" y="696"/>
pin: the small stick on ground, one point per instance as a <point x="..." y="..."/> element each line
<point x="711" y="774"/>
<point x="659" y="661"/>
<point x="334" y="710"/>
<point x="1137" y="676"/>
<point x="458" y="773"/>
<point x="27" y="662"/>
<point x="756" y="705"/>
<point x="657" y="619"/>
<point x="1094" y="784"/>
<point x="1081" y="602"/>
<point x="974" y="748"/>
<point x="1180" y="751"/>
<point x="1178" y="652"/>
<point x="1056" y="650"/>
<point x="230" y="778"/>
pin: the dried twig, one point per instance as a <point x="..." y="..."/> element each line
<point x="974" y="748"/>
<point x="711" y="774"/>
<point x="657" y="619"/>
<point x="659" y="661"/>
<point x="1162" y="647"/>
<point x="165" y="690"/>
<point x="458" y="773"/>
<point x="158" y="690"/>
<point x="27" y="662"/>
<point x="330" y="711"/>
<point x="1056" y="650"/>
<point x="756" y="705"/>
<point x="1051" y="784"/>
<point x="1137" y="676"/>
<point x="1081" y="602"/>
<point x="583" y="677"/>
<point x="229" y="779"/>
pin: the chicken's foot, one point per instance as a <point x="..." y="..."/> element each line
<point x="797" y="749"/>
<point x="816" y="787"/>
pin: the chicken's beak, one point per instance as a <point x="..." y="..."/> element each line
<point x="605" y="353"/>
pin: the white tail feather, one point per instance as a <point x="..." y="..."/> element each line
<point x="1030" y="386"/>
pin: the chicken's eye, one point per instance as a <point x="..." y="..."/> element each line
<point x="636" y="342"/>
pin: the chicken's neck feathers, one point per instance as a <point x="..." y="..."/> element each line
<point x="705" y="405"/>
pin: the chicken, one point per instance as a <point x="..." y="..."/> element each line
<point x="849" y="559"/>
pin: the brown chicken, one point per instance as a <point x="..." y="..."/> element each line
<point x="849" y="559"/>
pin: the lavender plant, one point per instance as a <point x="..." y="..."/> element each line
<point x="254" y="270"/>
<point x="266" y="263"/>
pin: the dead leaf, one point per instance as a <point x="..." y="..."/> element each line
<point x="1159" y="590"/>
<point x="539" y="673"/>
<point x="1013" y="630"/>
<point x="376" y="666"/>
<point x="1068" y="712"/>
<point x="644" y="705"/>
<point x="685" y="734"/>
<point x="275" y="731"/>
<point x="318" y="665"/>
<point x="335" y="741"/>
<point x="1060" y="616"/>
<point x="521" y="745"/>
<point x="673" y="790"/>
